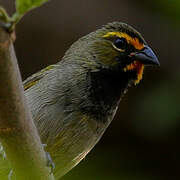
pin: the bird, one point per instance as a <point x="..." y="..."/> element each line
<point x="73" y="101"/>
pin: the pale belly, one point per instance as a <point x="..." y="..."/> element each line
<point x="74" y="143"/>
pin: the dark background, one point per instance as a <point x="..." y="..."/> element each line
<point x="142" y="142"/>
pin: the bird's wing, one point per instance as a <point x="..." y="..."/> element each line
<point x="32" y="80"/>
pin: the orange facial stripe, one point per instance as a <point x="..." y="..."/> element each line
<point x="139" y="67"/>
<point x="134" y="41"/>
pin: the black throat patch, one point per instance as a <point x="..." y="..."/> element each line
<point x="105" y="91"/>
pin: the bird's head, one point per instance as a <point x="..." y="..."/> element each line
<point x="116" y="47"/>
<point x="119" y="46"/>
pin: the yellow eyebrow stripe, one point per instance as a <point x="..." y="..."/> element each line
<point x="134" y="41"/>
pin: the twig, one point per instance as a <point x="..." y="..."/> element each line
<point x="18" y="133"/>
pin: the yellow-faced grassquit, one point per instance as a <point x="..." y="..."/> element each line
<point x="73" y="102"/>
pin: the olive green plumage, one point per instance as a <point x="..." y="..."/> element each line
<point x="73" y="101"/>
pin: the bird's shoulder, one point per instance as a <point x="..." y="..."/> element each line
<point x="33" y="79"/>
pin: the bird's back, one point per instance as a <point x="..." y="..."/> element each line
<point x="68" y="132"/>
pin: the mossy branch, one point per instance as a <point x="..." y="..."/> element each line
<point x="18" y="133"/>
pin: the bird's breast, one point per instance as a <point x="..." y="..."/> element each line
<point x="75" y="141"/>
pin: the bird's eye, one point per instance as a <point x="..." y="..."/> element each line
<point x="120" y="43"/>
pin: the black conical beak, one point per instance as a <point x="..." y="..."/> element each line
<point x="146" y="56"/>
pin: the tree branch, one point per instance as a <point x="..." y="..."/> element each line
<point x="18" y="133"/>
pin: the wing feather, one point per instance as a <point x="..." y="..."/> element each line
<point x="32" y="80"/>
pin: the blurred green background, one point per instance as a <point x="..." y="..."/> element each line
<point x="142" y="143"/>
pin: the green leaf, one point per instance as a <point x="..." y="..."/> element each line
<point x="23" y="6"/>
